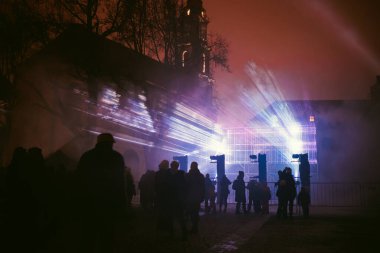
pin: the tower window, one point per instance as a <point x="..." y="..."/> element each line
<point x="185" y="56"/>
<point x="203" y="63"/>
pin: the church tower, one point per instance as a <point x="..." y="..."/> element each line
<point x="193" y="52"/>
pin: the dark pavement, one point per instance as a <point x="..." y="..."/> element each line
<point x="327" y="230"/>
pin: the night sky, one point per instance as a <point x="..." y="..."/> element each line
<point x="317" y="49"/>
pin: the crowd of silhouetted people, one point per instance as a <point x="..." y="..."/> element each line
<point x="29" y="202"/>
<point x="101" y="191"/>
<point x="39" y="198"/>
<point x="287" y="193"/>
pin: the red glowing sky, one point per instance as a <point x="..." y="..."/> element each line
<point x="317" y="49"/>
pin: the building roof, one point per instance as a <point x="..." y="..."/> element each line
<point x="302" y="109"/>
<point x="104" y="58"/>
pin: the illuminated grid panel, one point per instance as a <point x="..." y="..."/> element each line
<point x="242" y="142"/>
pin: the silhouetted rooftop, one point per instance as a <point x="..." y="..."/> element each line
<point x="104" y="58"/>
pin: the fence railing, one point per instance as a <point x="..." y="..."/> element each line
<point x="328" y="194"/>
<point x="339" y="194"/>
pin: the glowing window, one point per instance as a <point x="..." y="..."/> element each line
<point x="311" y="118"/>
<point x="188" y="12"/>
<point x="185" y="55"/>
<point x="203" y="14"/>
<point x="204" y="63"/>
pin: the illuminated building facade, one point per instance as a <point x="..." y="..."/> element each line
<point x="338" y="136"/>
<point x="83" y="84"/>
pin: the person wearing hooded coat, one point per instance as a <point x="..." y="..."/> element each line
<point x="239" y="187"/>
<point x="102" y="198"/>
<point x="195" y="182"/>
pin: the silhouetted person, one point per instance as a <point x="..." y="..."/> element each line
<point x="224" y="192"/>
<point x="266" y="196"/>
<point x="250" y="188"/>
<point x="164" y="197"/>
<point x="239" y="187"/>
<point x="16" y="182"/>
<point x="28" y="200"/>
<point x="39" y="179"/>
<point x="20" y="205"/>
<point x="38" y="174"/>
<point x="212" y="196"/>
<point x="195" y="194"/>
<point x="179" y="196"/>
<point x="147" y="191"/>
<point x="290" y="189"/>
<point x="208" y="185"/>
<point x="304" y="170"/>
<point x="282" y="195"/>
<point x="254" y="196"/>
<point x="130" y="186"/>
<point x="102" y="193"/>
<point x="303" y="199"/>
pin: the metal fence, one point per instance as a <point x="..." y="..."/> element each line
<point x="345" y="194"/>
<point x="333" y="194"/>
<point x="338" y="194"/>
<point x="328" y="194"/>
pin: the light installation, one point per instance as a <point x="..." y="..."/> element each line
<point x="276" y="128"/>
<point x="178" y="127"/>
<point x="279" y="131"/>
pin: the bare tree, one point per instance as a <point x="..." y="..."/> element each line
<point x="219" y="49"/>
<point x="102" y="17"/>
<point x="164" y="33"/>
<point x="153" y="30"/>
<point x="134" y="34"/>
<point x="148" y="26"/>
<point x="21" y="32"/>
<point x="27" y="25"/>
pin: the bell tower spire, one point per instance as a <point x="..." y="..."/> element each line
<point x="193" y="52"/>
<point x="193" y="49"/>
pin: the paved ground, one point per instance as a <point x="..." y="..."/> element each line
<point x="221" y="232"/>
<point x="327" y="230"/>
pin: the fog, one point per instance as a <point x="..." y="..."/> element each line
<point x="54" y="111"/>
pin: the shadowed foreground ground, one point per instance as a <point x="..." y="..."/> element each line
<point x="327" y="230"/>
<point x="323" y="232"/>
